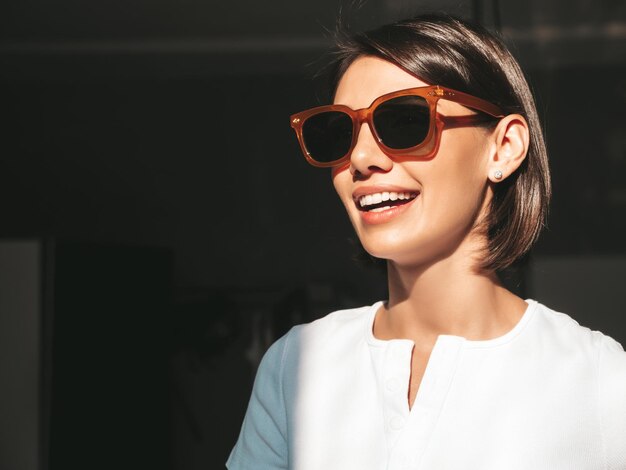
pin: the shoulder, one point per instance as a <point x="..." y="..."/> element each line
<point x="602" y="362"/>
<point x="339" y="329"/>
<point x="612" y="400"/>
<point x="323" y="344"/>
<point x="345" y="326"/>
<point x="347" y="323"/>
<point x="565" y="334"/>
<point x="573" y="352"/>
<point x="612" y="366"/>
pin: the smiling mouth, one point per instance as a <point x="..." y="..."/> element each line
<point x="378" y="202"/>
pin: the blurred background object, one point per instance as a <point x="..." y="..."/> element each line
<point x="161" y="228"/>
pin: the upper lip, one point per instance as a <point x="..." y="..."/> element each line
<point x="380" y="188"/>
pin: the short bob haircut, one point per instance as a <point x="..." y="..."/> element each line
<point x="447" y="51"/>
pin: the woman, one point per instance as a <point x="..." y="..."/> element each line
<point x="437" y="154"/>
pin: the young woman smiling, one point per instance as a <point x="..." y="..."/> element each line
<point x="437" y="154"/>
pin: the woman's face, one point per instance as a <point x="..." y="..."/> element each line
<point x="437" y="200"/>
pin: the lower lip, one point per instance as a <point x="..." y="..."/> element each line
<point x="375" y="218"/>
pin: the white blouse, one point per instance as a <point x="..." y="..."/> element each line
<point x="549" y="394"/>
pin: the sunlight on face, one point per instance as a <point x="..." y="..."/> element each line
<point x="435" y="202"/>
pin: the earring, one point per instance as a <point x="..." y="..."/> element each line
<point x="497" y="174"/>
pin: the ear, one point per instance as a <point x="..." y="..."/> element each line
<point x="510" y="145"/>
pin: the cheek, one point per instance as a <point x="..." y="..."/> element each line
<point x="461" y="186"/>
<point x="456" y="185"/>
<point x="342" y="180"/>
<point x="460" y="207"/>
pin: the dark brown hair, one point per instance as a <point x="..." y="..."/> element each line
<point x="451" y="52"/>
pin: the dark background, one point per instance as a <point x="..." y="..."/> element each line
<point x="147" y="156"/>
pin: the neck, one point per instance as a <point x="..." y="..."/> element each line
<point x="447" y="297"/>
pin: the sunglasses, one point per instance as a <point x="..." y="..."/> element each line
<point x="403" y="122"/>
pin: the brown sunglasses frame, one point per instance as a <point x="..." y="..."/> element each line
<point x="432" y="94"/>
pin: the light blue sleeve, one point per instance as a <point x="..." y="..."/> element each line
<point x="612" y="396"/>
<point x="262" y="442"/>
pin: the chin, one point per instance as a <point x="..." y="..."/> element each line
<point x="410" y="252"/>
<point x="390" y="251"/>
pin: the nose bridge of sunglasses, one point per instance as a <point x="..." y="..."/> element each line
<point x="364" y="116"/>
<point x="361" y="115"/>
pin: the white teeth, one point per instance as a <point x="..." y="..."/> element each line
<point x="377" y="198"/>
<point x="380" y="209"/>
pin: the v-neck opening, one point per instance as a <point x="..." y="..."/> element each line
<point x="392" y="361"/>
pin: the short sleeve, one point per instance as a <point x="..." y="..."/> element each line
<point x="262" y="443"/>
<point x="612" y="395"/>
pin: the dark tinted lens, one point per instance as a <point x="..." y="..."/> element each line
<point x="327" y="136"/>
<point x="402" y="122"/>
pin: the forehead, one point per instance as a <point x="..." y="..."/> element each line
<point x="369" y="77"/>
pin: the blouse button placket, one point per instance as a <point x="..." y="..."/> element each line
<point x="396" y="367"/>
<point x="429" y="401"/>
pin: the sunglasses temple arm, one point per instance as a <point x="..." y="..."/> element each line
<point x="471" y="102"/>
<point x="465" y="121"/>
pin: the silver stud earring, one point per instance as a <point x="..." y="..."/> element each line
<point x="497" y="174"/>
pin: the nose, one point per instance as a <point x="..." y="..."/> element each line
<point x="367" y="157"/>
